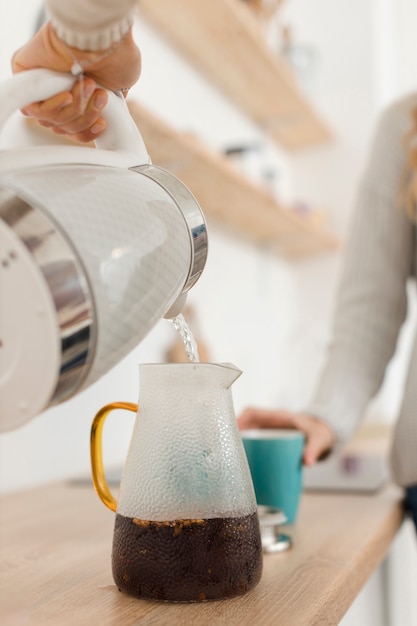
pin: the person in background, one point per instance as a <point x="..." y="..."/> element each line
<point x="371" y="306"/>
<point x="93" y="40"/>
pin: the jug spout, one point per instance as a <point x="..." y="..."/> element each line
<point x="157" y="376"/>
<point x="230" y="373"/>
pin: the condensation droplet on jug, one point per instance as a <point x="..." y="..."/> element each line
<point x="209" y="455"/>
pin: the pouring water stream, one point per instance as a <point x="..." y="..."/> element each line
<point x="181" y="326"/>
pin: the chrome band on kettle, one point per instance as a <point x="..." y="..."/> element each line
<point x="67" y="283"/>
<point x="192" y="214"/>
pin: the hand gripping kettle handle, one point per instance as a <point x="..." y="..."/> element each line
<point x="121" y="134"/>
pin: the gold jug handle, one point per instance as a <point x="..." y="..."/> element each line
<point x="96" y="451"/>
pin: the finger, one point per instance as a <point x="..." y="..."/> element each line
<point x="89" y="121"/>
<point x="48" y="108"/>
<point x="319" y="441"/>
<point x="86" y="108"/>
<point x="45" y="124"/>
<point x="82" y="127"/>
<point x="82" y="92"/>
<point x="82" y="100"/>
<point x="312" y="451"/>
<point x="67" y="107"/>
<point x="89" y="134"/>
<point x="265" y="418"/>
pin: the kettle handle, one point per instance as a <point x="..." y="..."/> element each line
<point x="121" y="133"/>
<point x="96" y="452"/>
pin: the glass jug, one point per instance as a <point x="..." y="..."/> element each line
<point x="186" y="527"/>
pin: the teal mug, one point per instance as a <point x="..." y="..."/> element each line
<point x="275" y="461"/>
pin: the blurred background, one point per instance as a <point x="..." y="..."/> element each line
<point x="263" y="303"/>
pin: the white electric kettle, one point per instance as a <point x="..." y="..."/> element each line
<point x="96" y="246"/>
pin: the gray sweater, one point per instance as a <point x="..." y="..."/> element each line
<point x="371" y="307"/>
<point x="91" y="24"/>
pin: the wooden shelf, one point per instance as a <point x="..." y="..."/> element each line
<point x="224" y="40"/>
<point x="225" y="195"/>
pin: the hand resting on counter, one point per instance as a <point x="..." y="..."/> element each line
<point x="319" y="436"/>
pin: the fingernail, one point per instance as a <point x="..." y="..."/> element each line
<point x="88" y="90"/>
<point x="100" y="101"/>
<point x="96" y="129"/>
<point x="308" y="459"/>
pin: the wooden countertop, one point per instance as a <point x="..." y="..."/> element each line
<point x="55" y="564"/>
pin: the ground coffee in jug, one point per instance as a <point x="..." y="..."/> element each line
<point x="204" y="559"/>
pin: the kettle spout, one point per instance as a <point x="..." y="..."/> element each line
<point x="177" y="307"/>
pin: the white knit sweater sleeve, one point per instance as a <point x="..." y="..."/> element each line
<point x="371" y="303"/>
<point x="90" y="24"/>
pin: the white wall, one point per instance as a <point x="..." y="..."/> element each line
<point x="271" y="318"/>
<point x="253" y="308"/>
